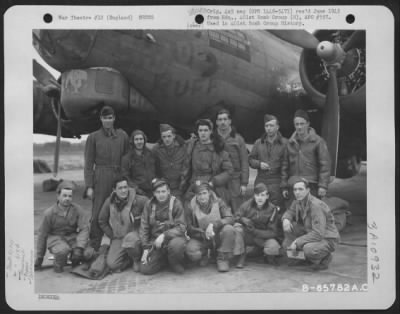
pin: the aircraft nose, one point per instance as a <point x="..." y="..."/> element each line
<point x="64" y="49"/>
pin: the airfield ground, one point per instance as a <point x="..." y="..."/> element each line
<point x="349" y="265"/>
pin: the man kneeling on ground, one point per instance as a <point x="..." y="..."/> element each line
<point x="64" y="230"/>
<point x="210" y="228"/>
<point x="258" y="224"/>
<point x="162" y="231"/>
<point x="310" y="226"/>
<point x="119" y="219"/>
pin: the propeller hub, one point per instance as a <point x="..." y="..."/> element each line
<point x="330" y="52"/>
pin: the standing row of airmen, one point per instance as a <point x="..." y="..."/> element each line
<point x="184" y="200"/>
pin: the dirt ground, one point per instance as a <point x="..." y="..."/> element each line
<point x="348" y="268"/>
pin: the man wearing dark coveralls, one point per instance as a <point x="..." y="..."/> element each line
<point x="237" y="150"/>
<point x="103" y="153"/>
<point x="306" y="156"/>
<point x="120" y="220"/>
<point x="267" y="156"/>
<point x="258" y="223"/>
<point x="64" y="230"/>
<point x="207" y="161"/>
<point x="170" y="155"/>
<point x="310" y="226"/>
<point x="138" y="164"/>
<point x="210" y="228"/>
<point x="162" y="231"/>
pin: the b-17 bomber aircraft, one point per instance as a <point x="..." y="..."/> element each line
<point x="179" y="76"/>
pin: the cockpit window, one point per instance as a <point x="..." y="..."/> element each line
<point x="73" y="45"/>
<point x="233" y="42"/>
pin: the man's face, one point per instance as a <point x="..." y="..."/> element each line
<point x="107" y="121"/>
<point x="122" y="190"/>
<point x="65" y="197"/>
<point x="271" y="127"/>
<point x="168" y="137"/>
<point x="261" y="198"/>
<point x="223" y="122"/>
<point x="300" y="191"/>
<point x="301" y="125"/>
<point x="162" y="193"/>
<point x="138" y="141"/>
<point x="204" y="133"/>
<point x="203" y="196"/>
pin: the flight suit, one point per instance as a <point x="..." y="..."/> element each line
<point x="167" y="218"/>
<point x="103" y="154"/>
<point x="170" y="162"/>
<point x="272" y="154"/>
<point x="204" y="163"/>
<point x="314" y="227"/>
<point x="220" y="215"/>
<point x="237" y="150"/>
<point x="61" y="231"/>
<point x="120" y="221"/>
<point x="265" y="232"/>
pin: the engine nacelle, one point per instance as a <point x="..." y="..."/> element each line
<point x="84" y="91"/>
<point x="351" y="75"/>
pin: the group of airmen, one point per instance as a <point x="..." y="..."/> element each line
<point x="184" y="201"/>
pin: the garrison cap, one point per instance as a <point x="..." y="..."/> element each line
<point x="166" y="127"/>
<point x="269" y="117"/>
<point x="66" y="184"/>
<point x="302" y="114"/>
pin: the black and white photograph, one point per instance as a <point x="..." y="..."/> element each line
<point x="229" y="157"/>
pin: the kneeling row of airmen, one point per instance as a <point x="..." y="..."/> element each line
<point x="150" y="234"/>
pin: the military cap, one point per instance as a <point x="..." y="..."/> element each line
<point x="302" y="114"/>
<point x="166" y="127"/>
<point x="157" y="182"/>
<point x="269" y="117"/>
<point x="200" y="185"/>
<point x="66" y="184"/>
<point x="106" y="111"/>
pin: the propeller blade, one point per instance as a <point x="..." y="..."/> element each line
<point x="58" y="140"/>
<point x="330" y="120"/>
<point x="297" y="37"/>
<point x="356" y="40"/>
<point x="41" y="74"/>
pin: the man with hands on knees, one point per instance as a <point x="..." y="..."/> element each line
<point x="120" y="220"/>
<point x="310" y="226"/>
<point x="210" y="228"/>
<point x="64" y="230"/>
<point x="162" y="231"/>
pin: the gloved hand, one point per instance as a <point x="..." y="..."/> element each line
<point x="38" y="263"/>
<point x="76" y="256"/>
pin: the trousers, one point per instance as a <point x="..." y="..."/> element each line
<point x="313" y="251"/>
<point x="157" y="259"/>
<point x="121" y="253"/>
<point x="224" y="242"/>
